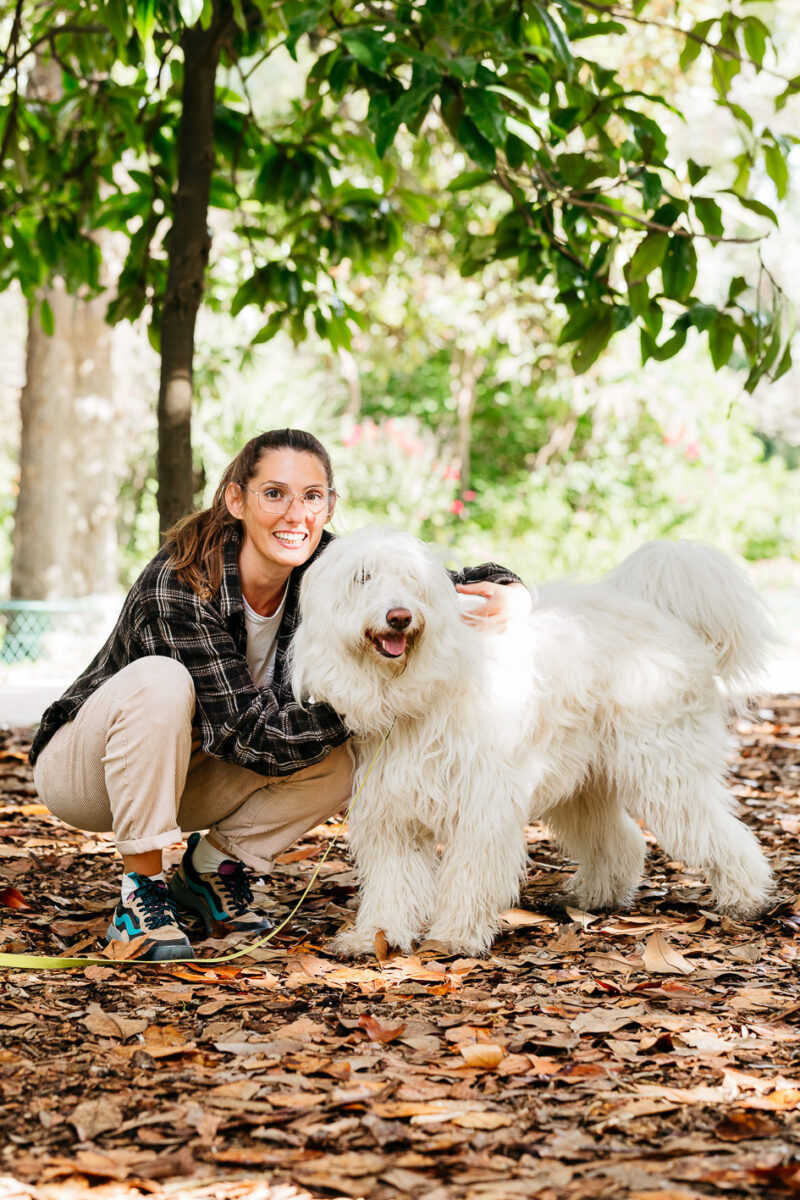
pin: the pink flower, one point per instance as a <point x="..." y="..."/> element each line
<point x="457" y="507"/>
<point x="692" y="451"/>
<point x="353" y="437"/>
<point x="469" y="495"/>
<point x="451" y="473"/>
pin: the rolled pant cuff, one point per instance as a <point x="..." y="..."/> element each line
<point x="157" y="841"/>
<point x="254" y="861"/>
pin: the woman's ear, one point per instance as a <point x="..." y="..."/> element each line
<point x="234" y="500"/>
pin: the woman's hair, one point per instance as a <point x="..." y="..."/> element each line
<point x="197" y="542"/>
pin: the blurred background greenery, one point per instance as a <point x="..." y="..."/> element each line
<point x="454" y="411"/>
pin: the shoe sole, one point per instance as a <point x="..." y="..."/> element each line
<point x="160" y="951"/>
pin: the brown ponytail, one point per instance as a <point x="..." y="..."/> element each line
<point x="197" y="542"/>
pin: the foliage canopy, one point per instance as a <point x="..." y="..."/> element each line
<point x="584" y="193"/>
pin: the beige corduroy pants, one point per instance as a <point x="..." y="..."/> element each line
<point x="125" y="763"/>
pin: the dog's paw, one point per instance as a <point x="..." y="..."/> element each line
<point x="352" y="943"/>
<point x="359" y="943"/>
<point x="472" y="943"/>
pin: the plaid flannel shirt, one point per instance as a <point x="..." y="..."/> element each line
<point x="263" y="729"/>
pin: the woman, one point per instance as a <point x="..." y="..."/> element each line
<point x="185" y="719"/>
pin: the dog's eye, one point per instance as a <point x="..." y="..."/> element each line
<point x="363" y="576"/>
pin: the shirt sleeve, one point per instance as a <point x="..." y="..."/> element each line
<point x="486" y="573"/>
<point x="239" y="722"/>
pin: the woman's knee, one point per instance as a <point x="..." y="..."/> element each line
<point x="158" y="682"/>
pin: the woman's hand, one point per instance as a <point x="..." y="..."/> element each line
<point x="502" y="602"/>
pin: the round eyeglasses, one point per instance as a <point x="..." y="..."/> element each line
<point x="278" y="500"/>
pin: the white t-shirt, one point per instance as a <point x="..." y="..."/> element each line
<point x="262" y="635"/>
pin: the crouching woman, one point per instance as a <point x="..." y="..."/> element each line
<point x="185" y="719"/>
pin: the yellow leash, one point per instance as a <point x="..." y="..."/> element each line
<point x="42" y="962"/>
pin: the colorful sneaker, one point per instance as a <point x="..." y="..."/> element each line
<point x="150" y="910"/>
<point x="222" y="898"/>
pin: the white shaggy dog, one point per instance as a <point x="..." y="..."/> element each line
<point x="603" y="706"/>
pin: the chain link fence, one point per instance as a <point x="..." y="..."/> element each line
<point x="34" y="631"/>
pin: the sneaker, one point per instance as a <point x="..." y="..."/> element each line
<point x="150" y="911"/>
<point x="222" y="898"/>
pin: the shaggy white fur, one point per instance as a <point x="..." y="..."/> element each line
<point x="603" y="706"/>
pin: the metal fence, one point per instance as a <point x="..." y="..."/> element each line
<point x="33" y="630"/>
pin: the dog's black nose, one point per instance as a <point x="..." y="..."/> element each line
<point x="398" y="618"/>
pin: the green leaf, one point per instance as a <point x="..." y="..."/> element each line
<point x="755" y="206"/>
<point x="584" y="317"/>
<point x="46" y="317"/>
<point x="777" y="168"/>
<point x="649" y="255"/>
<point x="679" y="268"/>
<point x="756" y="35"/>
<point x="368" y="48"/>
<point x="190" y="10"/>
<point x="709" y="214"/>
<point x="475" y="144"/>
<point x="417" y="205"/>
<point x="593" y="343"/>
<point x="694" y="44"/>
<point x="469" y="179"/>
<point x="526" y="133"/>
<point x="785" y="364"/>
<point x="721" y="337"/>
<point x="696" y="172"/>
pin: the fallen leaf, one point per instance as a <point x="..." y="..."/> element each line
<point x="521" y="918"/>
<point x="738" y="1126"/>
<point x="110" y="1025"/>
<point x="92" y="1117"/>
<point x="12" y="897"/>
<point x="380" y="1033"/>
<point x="663" y="959"/>
<point x="482" y="1120"/>
<point x="485" y="1055"/>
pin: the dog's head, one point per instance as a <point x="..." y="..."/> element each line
<point x="379" y="627"/>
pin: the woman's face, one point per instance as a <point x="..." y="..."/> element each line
<point x="281" y="539"/>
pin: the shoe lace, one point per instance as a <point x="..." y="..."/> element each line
<point x="238" y="888"/>
<point x="158" y="905"/>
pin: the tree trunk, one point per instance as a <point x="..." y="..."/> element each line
<point x="65" y="523"/>
<point x="188" y="247"/>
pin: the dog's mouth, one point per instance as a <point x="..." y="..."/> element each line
<point x="391" y="644"/>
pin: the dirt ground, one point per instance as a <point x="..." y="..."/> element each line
<point x="646" y="1055"/>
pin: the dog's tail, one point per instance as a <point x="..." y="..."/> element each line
<point x="702" y="587"/>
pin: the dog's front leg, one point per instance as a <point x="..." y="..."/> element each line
<point x="479" y="877"/>
<point x="396" y="869"/>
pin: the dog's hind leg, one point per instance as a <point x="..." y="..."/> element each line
<point x="688" y="809"/>
<point x="608" y="846"/>
<point x="397" y="884"/>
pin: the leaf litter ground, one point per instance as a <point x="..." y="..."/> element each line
<point x="639" y="1055"/>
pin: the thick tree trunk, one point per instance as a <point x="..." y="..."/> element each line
<point x="65" y="523"/>
<point x="189" y="244"/>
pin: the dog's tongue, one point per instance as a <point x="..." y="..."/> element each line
<point x="393" y="644"/>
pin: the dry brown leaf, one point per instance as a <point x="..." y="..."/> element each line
<point x="92" y="1117"/>
<point x="296" y="1099"/>
<point x="740" y="1126"/>
<point x="111" y="1025"/>
<point x="663" y="959"/>
<point x="482" y="1120"/>
<point x="376" y="1032"/>
<point x="522" y="918"/>
<point x="484" y="1055"/>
